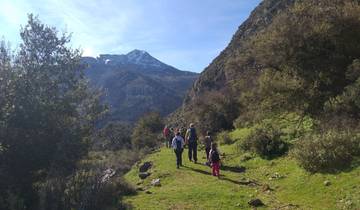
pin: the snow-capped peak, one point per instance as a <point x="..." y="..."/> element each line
<point x="141" y="57"/>
<point x="137" y="57"/>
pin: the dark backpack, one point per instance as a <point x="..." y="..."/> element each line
<point x="192" y="136"/>
<point x="178" y="144"/>
<point x="215" y="157"/>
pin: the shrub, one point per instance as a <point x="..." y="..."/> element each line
<point x="224" y="138"/>
<point x="326" y="152"/>
<point x="265" y="141"/>
<point x="147" y="132"/>
<point x="87" y="187"/>
<point x="114" y="136"/>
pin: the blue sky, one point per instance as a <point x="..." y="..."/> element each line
<point x="186" y="34"/>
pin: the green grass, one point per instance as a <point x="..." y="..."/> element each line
<point x="192" y="187"/>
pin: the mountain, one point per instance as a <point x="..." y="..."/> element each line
<point x="218" y="74"/>
<point x="221" y="74"/>
<point x="294" y="56"/>
<point x="136" y="83"/>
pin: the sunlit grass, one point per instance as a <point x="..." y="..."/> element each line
<point x="193" y="187"/>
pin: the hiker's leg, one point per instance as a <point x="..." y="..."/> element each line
<point x="180" y="156"/>
<point x="217" y="169"/>
<point x="190" y="151"/>
<point x="207" y="150"/>
<point x="195" y="152"/>
<point x="176" y="155"/>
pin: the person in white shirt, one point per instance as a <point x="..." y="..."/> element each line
<point x="178" y="146"/>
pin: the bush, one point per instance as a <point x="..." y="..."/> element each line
<point x="87" y="188"/>
<point x="265" y="141"/>
<point x="114" y="136"/>
<point x="326" y="152"/>
<point x="147" y="132"/>
<point x="224" y="138"/>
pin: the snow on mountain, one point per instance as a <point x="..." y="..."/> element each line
<point x="135" y="57"/>
<point x="136" y="83"/>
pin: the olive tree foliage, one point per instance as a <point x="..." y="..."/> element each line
<point x="48" y="112"/>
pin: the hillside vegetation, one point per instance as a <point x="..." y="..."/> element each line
<point x="298" y="56"/>
<point x="279" y="183"/>
<point x="290" y="80"/>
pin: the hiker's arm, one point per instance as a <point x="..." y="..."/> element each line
<point x="187" y="134"/>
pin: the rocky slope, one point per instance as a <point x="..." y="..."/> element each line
<point x="137" y="83"/>
<point x="218" y="74"/>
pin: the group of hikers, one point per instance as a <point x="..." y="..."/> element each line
<point x="177" y="139"/>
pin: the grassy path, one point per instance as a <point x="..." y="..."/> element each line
<point x="193" y="187"/>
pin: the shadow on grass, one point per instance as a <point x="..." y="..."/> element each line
<point x="222" y="177"/>
<point x="235" y="169"/>
<point x="198" y="170"/>
<point x="354" y="164"/>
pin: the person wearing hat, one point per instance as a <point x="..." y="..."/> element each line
<point x="191" y="138"/>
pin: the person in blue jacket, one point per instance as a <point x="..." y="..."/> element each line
<point x="178" y="146"/>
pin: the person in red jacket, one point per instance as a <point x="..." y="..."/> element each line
<point x="215" y="160"/>
<point x="167" y="136"/>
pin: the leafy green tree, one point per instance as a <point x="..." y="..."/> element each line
<point x="51" y="113"/>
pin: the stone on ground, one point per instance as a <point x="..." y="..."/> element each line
<point x="144" y="175"/>
<point x="256" y="202"/>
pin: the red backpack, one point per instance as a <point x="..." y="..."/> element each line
<point x="166" y="131"/>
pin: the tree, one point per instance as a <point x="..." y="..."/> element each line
<point x="303" y="55"/>
<point x="114" y="136"/>
<point x="52" y="111"/>
<point x="147" y="130"/>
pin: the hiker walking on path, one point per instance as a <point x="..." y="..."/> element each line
<point x="178" y="145"/>
<point x="171" y="137"/>
<point x="166" y="134"/>
<point x="191" y="138"/>
<point x="215" y="160"/>
<point x="207" y="142"/>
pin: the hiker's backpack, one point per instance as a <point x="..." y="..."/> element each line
<point x="166" y="131"/>
<point x="178" y="143"/>
<point x="215" y="157"/>
<point x="192" y="135"/>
